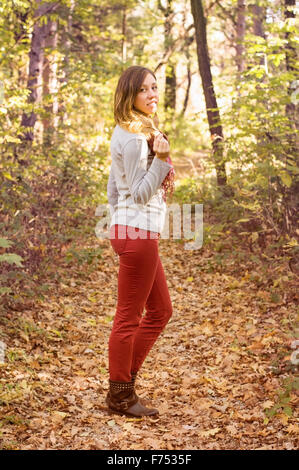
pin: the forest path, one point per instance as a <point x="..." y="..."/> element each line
<point x="190" y="166"/>
<point x="209" y="373"/>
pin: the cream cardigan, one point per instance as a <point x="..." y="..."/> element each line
<point x="134" y="185"/>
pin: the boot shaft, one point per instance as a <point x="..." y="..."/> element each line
<point x="121" y="395"/>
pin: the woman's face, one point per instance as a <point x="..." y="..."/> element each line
<point x="147" y="98"/>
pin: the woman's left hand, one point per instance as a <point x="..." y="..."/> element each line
<point x="161" y="146"/>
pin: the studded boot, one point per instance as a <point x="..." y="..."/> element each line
<point x="122" y="399"/>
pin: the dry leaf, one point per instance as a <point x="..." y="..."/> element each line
<point x="58" y="416"/>
<point x="210" y="432"/>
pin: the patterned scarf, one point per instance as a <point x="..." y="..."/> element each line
<point x="167" y="185"/>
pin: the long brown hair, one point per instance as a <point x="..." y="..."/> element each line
<point x="125" y="114"/>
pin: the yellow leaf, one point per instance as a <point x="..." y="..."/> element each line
<point x="267" y="404"/>
<point x="7" y="175"/>
<point x="210" y="432"/>
<point x="286" y="179"/>
<point x="189" y="279"/>
<point x="293" y="428"/>
<point x="10" y="138"/>
<point x="134" y="419"/>
<point x="283" y="418"/>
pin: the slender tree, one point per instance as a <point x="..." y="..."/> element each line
<point x="170" y="70"/>
<point x="124" y="34"/>
<point x="185" y="49"/>
<point x="240" y="33"/>
<point x="189" y="78"/>
<point x="36" y="59"/>
<point x="50" y="82"/>
<point x="36" y="56"/>
<point x="258" y="16"/>
<point x="258" y="12"/>
<point x="66" y="40"/>
<point x="291" y="66"/>
<point x="291" y="199"/>
<point x="208" y="89"/>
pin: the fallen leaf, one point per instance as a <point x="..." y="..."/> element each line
<point x="210" y="432"/>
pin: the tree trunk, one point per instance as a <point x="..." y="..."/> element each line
<point x="258" y="20"/>
<point x="207" y="83"/>
<point x="186" y="50"/>
<point x="124" y="33"/>
<point x="240" y="33"/>
<point x="170" y="71"/>
<point x="189" y="77"/>
<point x="66" y="42"/>
<point x="258" y="15"/>
<point x="50" y="83"/>
<point x="170" y="87"/>
<point x="291" y="65"/>
<point x="34" y="83"/>
<point x="291" y="194"/>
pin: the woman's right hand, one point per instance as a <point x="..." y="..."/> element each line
<point x="161" y="147"/>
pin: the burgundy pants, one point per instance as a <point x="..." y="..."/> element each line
<point x="141" y="284"/>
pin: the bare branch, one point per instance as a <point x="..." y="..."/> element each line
<point x="48" y="9"/>
<point x="227" y="13"/>
<point x="160" y="6"/>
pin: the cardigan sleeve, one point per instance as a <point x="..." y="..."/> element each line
<point x="112" y="192"/>
<point x="142" y="183"/>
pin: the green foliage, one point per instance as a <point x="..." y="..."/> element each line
<point x="49" y="190"/>
<point x="186" y="191"/>
<point x="82" y="256"/>
<point x="290" y="384"/>
<point x="10" y="258"/>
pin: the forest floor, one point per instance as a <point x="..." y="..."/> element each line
<point x="217" y="368"/>
<point x="210" y="373"/>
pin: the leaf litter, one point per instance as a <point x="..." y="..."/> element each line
<point x="209" y="373"/>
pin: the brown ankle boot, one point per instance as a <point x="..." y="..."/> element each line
<point x="122" y="399"/>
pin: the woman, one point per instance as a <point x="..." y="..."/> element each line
<point x="140" y="176"/>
